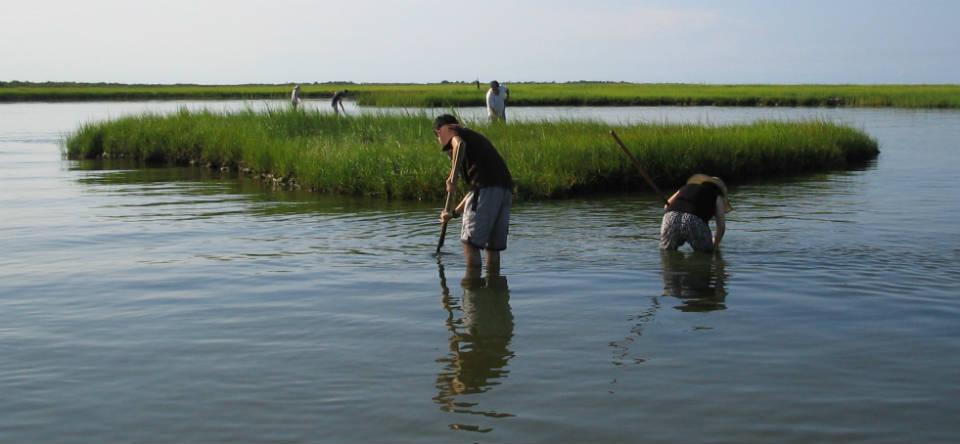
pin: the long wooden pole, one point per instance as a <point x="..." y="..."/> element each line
<point x="636" y="163"/>
<point x="456" y="158"/>
<point x="443" y="227"/>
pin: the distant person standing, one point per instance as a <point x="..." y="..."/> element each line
<point x="690" y="209"/>
<point x="497" y="97"/>
<point x="295" y="96"/>
<point x="338" y="100"/>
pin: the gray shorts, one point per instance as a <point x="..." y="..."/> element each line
<point x="678" y="228"/>
<point x="486" y="218"/>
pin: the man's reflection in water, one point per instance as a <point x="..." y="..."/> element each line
<point x="698" y="280"/>
<point x="481" y="326"/>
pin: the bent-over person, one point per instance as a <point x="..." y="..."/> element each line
<point x="689" y="211"/>
<point x="486" y="206"/>
<point x="337" y="99"/>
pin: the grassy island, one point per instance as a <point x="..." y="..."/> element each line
<point x="459" y="94"/>
<point x="397" y="156"/>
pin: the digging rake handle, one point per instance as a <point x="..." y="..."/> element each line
<point x="636" y="163"/>
<point x="443" y="227"/>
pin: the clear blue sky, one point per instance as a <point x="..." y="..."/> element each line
<point x="286" y="41"/>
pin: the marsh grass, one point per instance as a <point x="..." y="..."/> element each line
<point x="636" y="94"/>
<point x="397" y="156"/>
<point x="53" y="92"/>
<point x="523" y="94"/>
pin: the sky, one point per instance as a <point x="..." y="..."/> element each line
<point x="409" y="41"/>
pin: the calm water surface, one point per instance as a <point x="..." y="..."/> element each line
<point x="180" y="305"/>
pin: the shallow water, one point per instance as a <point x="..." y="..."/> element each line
<point x="166" y="305"/>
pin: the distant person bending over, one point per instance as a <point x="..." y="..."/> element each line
<point x="295" y="96"/>
<point x="497" y="97"/>
<point x="690" y="209"/>
<point x="338" y="100"/>
<point x="486" y="207"/>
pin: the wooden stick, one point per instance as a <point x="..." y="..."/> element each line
<point x="636" y="163"/>
<point x="443" y="227"/>
<point x="458" y="157"/>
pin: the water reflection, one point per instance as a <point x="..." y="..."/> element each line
<point x="481" y="326"/>
<point x="698" y="280"/>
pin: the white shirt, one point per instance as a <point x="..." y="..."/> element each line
<point x="495" y="101"/>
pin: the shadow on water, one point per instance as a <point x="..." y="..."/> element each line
<point x="481" y="326"/>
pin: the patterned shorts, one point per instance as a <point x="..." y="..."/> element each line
<point x="678" y="228"/>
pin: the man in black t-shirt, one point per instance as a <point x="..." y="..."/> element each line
<point x="486" y="207"/>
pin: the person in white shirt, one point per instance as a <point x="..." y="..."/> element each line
<point x="295" y="96"/>
<point x="497" y="97"/>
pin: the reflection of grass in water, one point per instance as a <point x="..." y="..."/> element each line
<point x="126" y="171"/>
<point x="467" y="94"/>
<point x="396" y="156"/>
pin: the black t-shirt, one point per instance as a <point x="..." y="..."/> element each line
<point x="697" y="199"/>
<point x="483" y="166"/>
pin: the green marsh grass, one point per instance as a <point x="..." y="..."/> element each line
<point x="397" y="156"/>
<point x="637" y="94"/>
<point x="524" y="94"/>
<point x="58" y="92"/>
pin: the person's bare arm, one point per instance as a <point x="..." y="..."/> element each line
<point x="457" y="212"/>
<point x="670" y="200"/>
<point x="721" y="222"/>
<point x="456" y="159"/>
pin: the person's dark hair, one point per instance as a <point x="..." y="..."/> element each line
<point x="445" y="119"/>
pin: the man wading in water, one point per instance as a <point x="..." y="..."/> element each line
<point x="486" y="207"/>
<point x="338" y="100"/>
<point x="497" y="97"/>
<point x="295" y="97"/>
